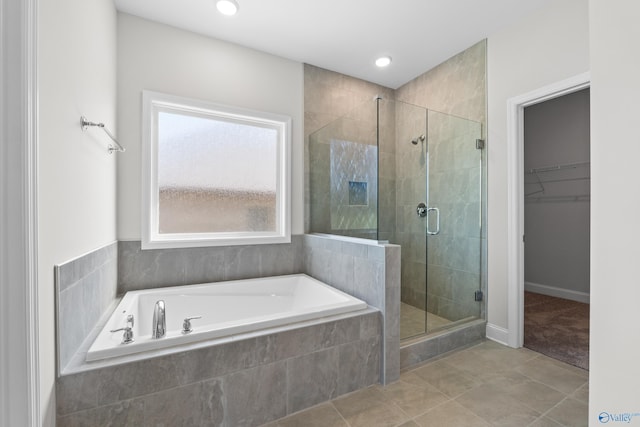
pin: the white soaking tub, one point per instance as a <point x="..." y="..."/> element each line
<point x="226" y="308"/>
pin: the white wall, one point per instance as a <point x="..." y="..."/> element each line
<point x="556" y="252"/>
<point x="615" y="150"/>
<point x="165" y="59"/>
<point x="549" y="46"/>
<point x="77" y="177"/>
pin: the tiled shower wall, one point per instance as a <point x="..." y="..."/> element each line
<point x="453" y="255"/>
<point x="328" y="97"/>
<point x="457" y="87"/>
<point x="411" y="167"/>
<point x="343" y="161"/>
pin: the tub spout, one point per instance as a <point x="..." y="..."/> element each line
<point x="159" y="327"/>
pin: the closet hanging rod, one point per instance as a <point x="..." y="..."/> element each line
<point x="559" y="199"/>
<point x="557" y="167"/>
<point x="84" y="123"/>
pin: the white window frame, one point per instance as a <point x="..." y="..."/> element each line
<point x="152" y="103"/>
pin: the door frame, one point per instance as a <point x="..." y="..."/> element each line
<point x="19" y="353"/>
<point x="515" y="197"/>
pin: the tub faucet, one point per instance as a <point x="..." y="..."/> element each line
<point x="159" y="327"/>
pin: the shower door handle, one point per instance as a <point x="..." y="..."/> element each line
<point x="437" y="230"/>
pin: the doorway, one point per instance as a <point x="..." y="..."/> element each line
<point x="514" y="334"/>
<point x="556" y="227"/>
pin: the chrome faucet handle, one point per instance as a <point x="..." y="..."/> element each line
<point x="130" y="320"/>
<point x="186" y="325"/>
<point x="127" y="337"/>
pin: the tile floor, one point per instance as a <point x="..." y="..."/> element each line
<point x="485" y="385"/>
<point x="412" y="321"/>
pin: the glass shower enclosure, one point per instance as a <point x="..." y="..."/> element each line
<point x="396" y="172"/>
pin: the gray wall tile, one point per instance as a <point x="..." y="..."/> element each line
<point x="200" y="404"/>
<point x="125" y="413"/>
<point x="85" y="288"/>
<point x="135" y="379"/>
<point x="366" y="371"/>
<point x="312" y="379"/>
<point x="196" y="387"/>
<point x="254" y="396"/>
<point x="144" y="269"/>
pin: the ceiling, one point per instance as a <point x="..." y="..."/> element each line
<point x="346" y="36"/>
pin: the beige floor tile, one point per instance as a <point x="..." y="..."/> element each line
<point x="553" y="374"/>
<point x="320" y="416"/>
<point x="497" y="406"/>
<point x="487" y="359"/>
<point x="446" y="378"/>
<point x="502" y="379"/>
<point x="413" y="399"/>
<point x="545" y="422"/>
<point x="411" y="378"/>
<point x="369" y="408"/>
<point x="578" y="371"/>
<point x="450" y="414"/>
<point x="571" y="413"/>
<point x="582" y="394"/>
<point x="487" y="384"/>
<point x="536" y="395"/>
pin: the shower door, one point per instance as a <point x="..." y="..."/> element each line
<point x="438" y="218"/>
<point x="453" y="221"/>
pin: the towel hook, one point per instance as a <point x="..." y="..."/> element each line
<point x="84" y="123"/>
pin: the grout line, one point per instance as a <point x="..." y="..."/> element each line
<point x="544" y="414"/>
<point x="449" y="399"/>
<point x="339" y="413"/>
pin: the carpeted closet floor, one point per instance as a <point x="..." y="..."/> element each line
<point x="558" y="328"/>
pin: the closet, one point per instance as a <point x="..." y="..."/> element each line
<point x="556" y="210"/>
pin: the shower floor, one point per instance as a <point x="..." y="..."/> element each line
<point x="412" y="321"/>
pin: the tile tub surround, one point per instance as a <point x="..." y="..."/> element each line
<point x="138" y="269"/>
<point x="363" y="268"/>
<point x="369" y="271"/>
<point x="85" y="289"/>
<point x="248" y="381"/>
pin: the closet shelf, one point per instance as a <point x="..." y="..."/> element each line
<point x="559" y="167"/>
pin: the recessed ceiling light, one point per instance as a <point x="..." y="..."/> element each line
<point x="227" y="7"/>
<point x="383" y="61"/>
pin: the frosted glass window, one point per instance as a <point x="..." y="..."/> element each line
<point x="217" y="175"/>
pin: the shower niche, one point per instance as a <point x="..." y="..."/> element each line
<point x="391" y="171"/>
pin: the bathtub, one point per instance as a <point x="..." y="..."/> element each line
<point x="226" y="308"/>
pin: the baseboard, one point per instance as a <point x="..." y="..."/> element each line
<point x="497" y="334"/>
<point x="557" y="292"/>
